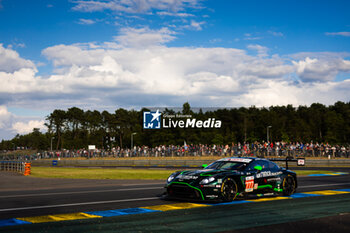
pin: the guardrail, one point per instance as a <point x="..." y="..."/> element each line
<point x="16" y="166"/>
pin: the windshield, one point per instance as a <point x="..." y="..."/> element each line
<point x="226" y="165"/>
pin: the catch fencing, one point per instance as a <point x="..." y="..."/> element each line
<point x="16" y="166"/>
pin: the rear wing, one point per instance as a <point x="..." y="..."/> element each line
<point x="299" y="161"/>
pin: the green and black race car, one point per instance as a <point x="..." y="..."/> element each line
<point x="229" y="178"/>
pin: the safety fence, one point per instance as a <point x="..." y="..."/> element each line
<point x="16" y="166"/>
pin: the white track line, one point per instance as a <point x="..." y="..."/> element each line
<point x="79" y="192"/>
<point x="78" y="204"/>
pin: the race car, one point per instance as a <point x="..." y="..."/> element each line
<point x="229" y="178"/>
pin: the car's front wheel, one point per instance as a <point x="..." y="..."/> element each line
<point x="288" y="185"/>
<point x="229" y="190"/>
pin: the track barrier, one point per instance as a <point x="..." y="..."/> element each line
<point x="16" y="166"/>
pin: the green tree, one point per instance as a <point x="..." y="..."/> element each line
<point x="218" y="139"/>
<point x="57" y="121"/>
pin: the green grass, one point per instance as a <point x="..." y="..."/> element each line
<point x="100" y="173"/>
<point x="109" y="173"/>
<point x="310" y="172"/>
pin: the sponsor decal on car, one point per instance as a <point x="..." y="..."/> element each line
<point x="186" y="177"/>
<point x="241" y="160"/>
<point x="249" y="183"/>
<point x="267" y="174"/>
<point x="274" y="179"/>
<point x="211" y="196"/>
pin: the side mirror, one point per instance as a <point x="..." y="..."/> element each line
<point x="258" y="167"/>
<point x="204" y="165"/>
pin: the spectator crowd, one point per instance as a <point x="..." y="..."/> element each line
<point x="256" y="149"/>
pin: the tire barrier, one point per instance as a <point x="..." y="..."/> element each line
<point x="16" y="166"/>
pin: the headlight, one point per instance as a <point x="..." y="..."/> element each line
<point x="207" y="180"/>
<point x="171" y="177"/>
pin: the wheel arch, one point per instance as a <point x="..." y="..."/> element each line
<point x="239" y="182"/>
<point x="294" y="175"/>
<point x="288" y="192"/>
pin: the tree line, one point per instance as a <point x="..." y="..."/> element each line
<point x="75" y="128"/>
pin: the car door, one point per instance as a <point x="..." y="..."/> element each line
<point x="263" y="176"/>
<point x="274" y="177"/>
<point x="254" y="181"/>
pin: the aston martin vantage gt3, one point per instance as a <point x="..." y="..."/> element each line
<point x="229" y="178"/>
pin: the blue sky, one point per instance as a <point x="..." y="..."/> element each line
<point x="106" y="54"/>
<point x="284" y="26"/>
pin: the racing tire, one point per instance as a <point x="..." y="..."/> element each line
<point x="288" y="185"/>
<point x="229" y="190"/>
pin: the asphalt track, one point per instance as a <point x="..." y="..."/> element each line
<point x="27" y="197"/>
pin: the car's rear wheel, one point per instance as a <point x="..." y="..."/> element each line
<point x="229" y="190"/>
<point x="288" y="185"/>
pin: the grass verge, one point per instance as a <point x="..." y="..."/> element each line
<point x="114" y="173"/>
<point x="100" y="173"/>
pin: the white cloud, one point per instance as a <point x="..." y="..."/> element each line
<point x="113" y="74"/>
<point x="347" y="34"/>
<point x="282" y="92"/>
<point x="10" y="60"/>
<point x="177" y="14"/>
<point x="134" y="6"/>
<point x="211" y="84"/>
<point x="5" y="116"/>
<point x="215" y="40"/>
<point x="323" y="69"/>
<point x="252" y="36"/>
<point x="194" y="25"/>
<point x="262" y="51"/>
<point x="144" y="37"/>
<point x="86" y="21"/>
<point x="133" y="12"/>
<point x="11" y="124"/>
<point x="16" y="45"/>
<point x="20" y="81"/>
<point x="63" y="55"/>
<point x="272" y="92"/>
<point x="277" y="34"/>
<point x="320" y="55"/>
<point x="27" y="127"/>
